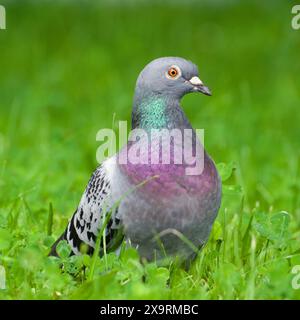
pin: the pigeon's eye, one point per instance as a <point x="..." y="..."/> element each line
<point x="173" y="72"/>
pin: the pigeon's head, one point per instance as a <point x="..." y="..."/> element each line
<point x="170" y="76"/>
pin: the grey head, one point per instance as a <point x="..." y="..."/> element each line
<point x="159" y="88"/>
<point x="169" y="76"/>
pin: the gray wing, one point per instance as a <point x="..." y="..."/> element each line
<point x="87" y="221"/>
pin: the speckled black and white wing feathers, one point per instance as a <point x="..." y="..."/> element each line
<point x="96" y="203"/>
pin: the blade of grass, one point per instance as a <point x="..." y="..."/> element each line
<point x="50" y="220"/>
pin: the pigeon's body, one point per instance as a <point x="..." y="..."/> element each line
<point x="161" y="209"/>
<point x="174" y="204"/>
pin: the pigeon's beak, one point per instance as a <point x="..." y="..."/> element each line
<point x="199" y="86"/>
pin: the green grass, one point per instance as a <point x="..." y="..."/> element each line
<point x="66" y="68"/>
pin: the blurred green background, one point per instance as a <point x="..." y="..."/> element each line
<point x="67" y="66"/>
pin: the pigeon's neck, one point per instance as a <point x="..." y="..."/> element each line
<point x="156" y="111"/>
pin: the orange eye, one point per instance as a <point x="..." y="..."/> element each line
<point x="173" y="72"/>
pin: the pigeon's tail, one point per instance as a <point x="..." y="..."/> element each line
<point x="53" y="248"/>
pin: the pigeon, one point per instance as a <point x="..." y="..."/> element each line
<point x="160" y="208"/>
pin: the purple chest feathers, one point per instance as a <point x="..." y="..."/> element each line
<point x="171" y="173"/>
